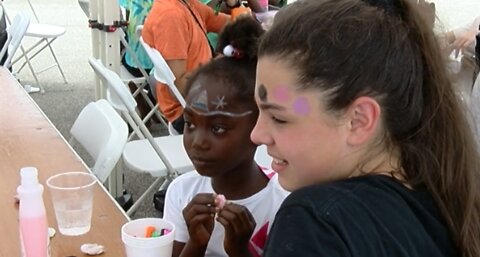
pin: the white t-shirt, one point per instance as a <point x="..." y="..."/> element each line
<point x="263" y="205"/>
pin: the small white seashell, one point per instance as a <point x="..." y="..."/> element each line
<point x="92" y="249"/>
<point x="51" y="232"/>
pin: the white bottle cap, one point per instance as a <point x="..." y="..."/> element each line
<point x="29" y="176"/>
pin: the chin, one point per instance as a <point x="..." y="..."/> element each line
<point x="287" y="184"/>
<point x="210" y="170"/>
<point x="206" y="172"/>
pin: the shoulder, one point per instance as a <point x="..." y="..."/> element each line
<point x="197" y="4"/>
<point x="162" y="10"/>
<point x="356" y="194"/>
<point x="189" y="178"/>
<point x="186" y="186"/>
<point x="363" y="216"/>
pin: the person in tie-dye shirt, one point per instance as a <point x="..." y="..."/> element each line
<point x="137" y="12"/>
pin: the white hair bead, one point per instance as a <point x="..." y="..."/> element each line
<point x="228" y="51"/>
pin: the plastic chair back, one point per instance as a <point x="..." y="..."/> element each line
<point x="116" y="87"/>
<point x="16" y="32"/>
<point x="123" y="103"/>
<point x="103" y="133"/>
<point x="162" y="71"/>
<point x="120" y="98"/>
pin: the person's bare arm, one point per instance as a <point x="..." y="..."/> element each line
<point x="256" y="7"/>
<point x="179" y="69"/>
<point x="461" y="39"/>
<point x="253" y="4"/>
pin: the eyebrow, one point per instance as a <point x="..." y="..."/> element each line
<point x="270" y="106"/>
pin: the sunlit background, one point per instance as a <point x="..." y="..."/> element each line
<point x="454" y="13"/>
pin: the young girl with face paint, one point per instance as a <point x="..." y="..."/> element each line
<point x="366" y="131"/>
<point x="225" y="207"/>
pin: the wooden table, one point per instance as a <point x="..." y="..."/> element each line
<point x="28" y="138"/>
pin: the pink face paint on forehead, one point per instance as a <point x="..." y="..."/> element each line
<point x="301" y="106"/>
<point x="281" y="93"/>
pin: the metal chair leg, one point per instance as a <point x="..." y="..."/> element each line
<point x="58" y="64"/>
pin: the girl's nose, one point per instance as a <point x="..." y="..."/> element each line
<point x="200" y="140"/>
<point x="260" y="134"/>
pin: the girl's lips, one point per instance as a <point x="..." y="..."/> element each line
<point x="278" y="165"/>
<point x="201" y="161"/>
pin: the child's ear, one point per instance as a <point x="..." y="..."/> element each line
<point x="364" y="116"/>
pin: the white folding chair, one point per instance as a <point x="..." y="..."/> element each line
<point x="140" y="82"/>
<point x="16" y="32"/>
<point x="103" y="134"/>
<point x="45" y="34"/>
<point x="126" y="77"/>
<point x="163" y="74"/>
<point x="163" y="157"/>
<point x="85" y="5"/>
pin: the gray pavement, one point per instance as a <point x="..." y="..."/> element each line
<point x="63" y="102"/>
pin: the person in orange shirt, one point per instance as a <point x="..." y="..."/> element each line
<point x="177" y="29"/>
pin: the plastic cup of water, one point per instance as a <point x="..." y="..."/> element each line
<point x="72" y="197"/>
<point x="138" y="245"/>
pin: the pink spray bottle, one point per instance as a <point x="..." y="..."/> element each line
<point x="31" y="215"/>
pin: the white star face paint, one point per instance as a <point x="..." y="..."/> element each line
<point x="219" y="102"/>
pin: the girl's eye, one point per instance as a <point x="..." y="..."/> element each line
<point x="276" y="120"/>
<point x="218" y="130"/>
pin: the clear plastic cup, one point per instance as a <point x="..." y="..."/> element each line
<point x="137" y="245"/>
<point x="72" y="197"/>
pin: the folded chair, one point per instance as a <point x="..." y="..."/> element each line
<point x="163" y="157"/>
<point x="140" y="82"/>
<point x="164" y="75"/>
<point x="103" y="134"/>
<point x="16" y="31"/>
<point x="45" y="34"/>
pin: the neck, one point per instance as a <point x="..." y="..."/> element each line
<point x="240" y="182"/>
<point x="384" y="163"/>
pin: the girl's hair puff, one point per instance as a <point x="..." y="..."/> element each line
<point x="237" y="72"/>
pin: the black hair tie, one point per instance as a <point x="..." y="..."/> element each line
<point x="391" y="7"/>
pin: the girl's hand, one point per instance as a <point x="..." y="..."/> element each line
<point x="199" y="214"/>
<point x="465" y="40"/>
<point x="239" y="226"/>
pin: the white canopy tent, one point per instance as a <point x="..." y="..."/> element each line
<point x="104" y="20"/>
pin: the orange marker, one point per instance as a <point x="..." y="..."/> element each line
<point x="149" y="231"/>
